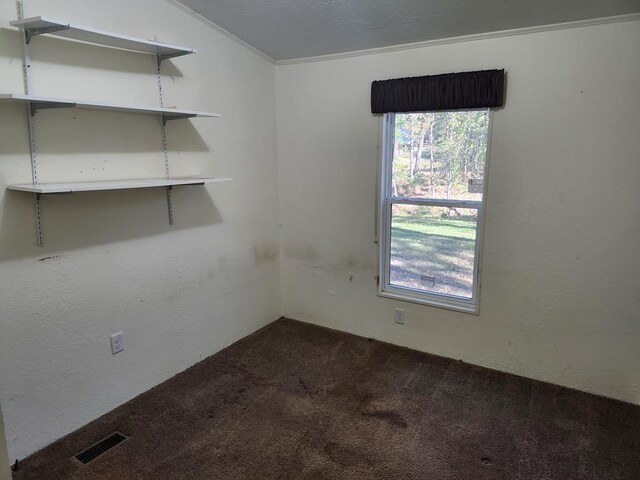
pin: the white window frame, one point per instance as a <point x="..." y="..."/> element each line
<point x="386" y="200"/>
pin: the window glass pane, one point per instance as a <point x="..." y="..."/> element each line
<point x="433" y="249"/>
<point x="437" y="154"/>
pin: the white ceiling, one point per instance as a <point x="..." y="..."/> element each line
<point x="287" y="29"/>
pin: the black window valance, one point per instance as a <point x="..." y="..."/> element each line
<point x="450" y="91"/>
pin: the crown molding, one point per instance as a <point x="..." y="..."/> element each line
<point x="220" y="30"/>
<point x="465" y="38"/>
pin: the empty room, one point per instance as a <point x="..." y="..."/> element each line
<point x="245" y="239"/>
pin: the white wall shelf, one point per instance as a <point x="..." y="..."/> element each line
<point x="70" y="187"/>
<point x="33" y="26"/>
<point x="44" y="25"/>
<point x="38" y="103"/>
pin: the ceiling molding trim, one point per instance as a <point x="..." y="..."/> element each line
<point x="466" y="38"/>
<point x="220" y="30"/>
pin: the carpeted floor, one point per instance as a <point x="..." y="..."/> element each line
<point x="295" y="401"/>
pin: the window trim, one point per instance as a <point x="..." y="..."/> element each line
<point x="385" y="202"/>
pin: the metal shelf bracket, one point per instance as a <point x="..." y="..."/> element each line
<point x="167" y="56"/>
<point x="31" y="111"/>
<point x="163" y="133"/>
<point x="33" y="32"/>
<point x="35" y="106"/>
<point x="180" y="116"/>
<point x="38" y="220"/>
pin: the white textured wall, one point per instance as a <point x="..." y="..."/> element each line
<point x="111" y="262"/>
<point x="560" y="296"/>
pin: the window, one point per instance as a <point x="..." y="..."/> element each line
<point x="431" y="206"/>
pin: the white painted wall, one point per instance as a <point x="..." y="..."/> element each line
<point x="111" y="262"/>
<point x="560" y="285"/>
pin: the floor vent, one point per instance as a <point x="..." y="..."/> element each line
<point x="101" y="447"/>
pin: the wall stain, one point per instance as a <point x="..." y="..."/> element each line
<point x="265" y="254"/>
<point x="346" y="262"/>
<point x="51" y="257"/>
<point x="304" y="253"/>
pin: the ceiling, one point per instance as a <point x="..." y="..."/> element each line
<point x="288" y="29"/>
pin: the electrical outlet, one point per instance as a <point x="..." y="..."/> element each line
<point x="117" y="345"/>
<point x="399" y="316"/>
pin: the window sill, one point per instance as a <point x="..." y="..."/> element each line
<point x="437" y="301"/>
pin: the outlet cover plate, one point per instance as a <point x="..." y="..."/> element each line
<point x="117" y="344"/>
<point x="399" y="316"/>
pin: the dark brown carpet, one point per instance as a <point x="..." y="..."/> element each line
<point x="295" y="401"/>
